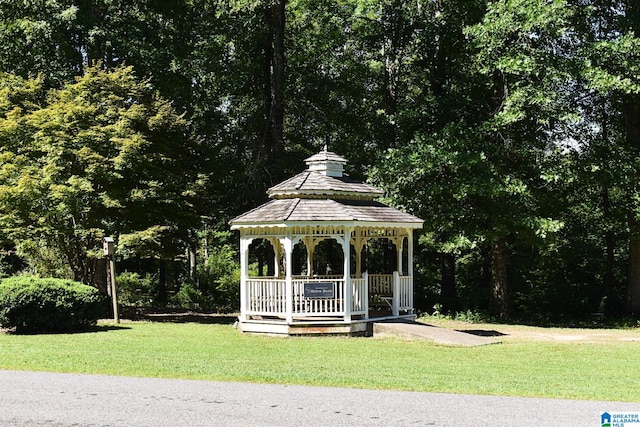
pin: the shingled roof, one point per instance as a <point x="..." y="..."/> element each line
<point x="315" y="184"/>
<point x="323" y="193"/>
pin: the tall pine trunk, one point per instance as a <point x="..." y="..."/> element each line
<point x="609" y="240"/>
<point x="632" y="131"/>
<point x="499" y="302"/>
<point x="499" y="282"/>
<point x="448" y="281"/>
<point x="633" y="293"/>
<point x="274" y="70"/>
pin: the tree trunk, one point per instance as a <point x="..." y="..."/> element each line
<point x="632" y="132"/>
<point x="633" y="294"/>
<point x="499" y="283"/>
<point x="162" y="295"/>
<point x="191" y="249"/>
<point x="274" y="71"/>
<point x="609" y="277"/>
<point x="448" y="281"/>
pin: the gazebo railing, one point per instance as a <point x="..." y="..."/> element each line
<point x="266" y="296"/>
<point x="405" y="292"/>
<point x="359" y="296"/>
<point x="381" y="284"/>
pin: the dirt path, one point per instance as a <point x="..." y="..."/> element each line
<point x="514" y="333"/>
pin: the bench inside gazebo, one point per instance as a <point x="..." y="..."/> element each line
<point x="313" y="218"/>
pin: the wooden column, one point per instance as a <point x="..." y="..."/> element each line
<point x="287" y="242"/>
<point x="395" y="304"/>
<point x="244" y="275"/>
<point x="410" y="253"/>
<point x="276" y="258"/>
<point x="348" y="292"/>
<point x="399" y="241"/>
<point x="410" y="263"/>
<point x="310" y="245"/>
<point x="358" y="245"/>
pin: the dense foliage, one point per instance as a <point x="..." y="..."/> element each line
<point x="31" y="304"/>
<point x="512" y="127"/>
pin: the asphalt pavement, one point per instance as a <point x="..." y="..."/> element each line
<point x="53" y="399"/>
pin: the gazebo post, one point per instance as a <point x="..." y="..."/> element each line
<point x="244" y="275"/>
<point x="395" y="302"/>
<point x="399" y="246"/>
<point x="358" y="245"/>
<point x="288" y="268"/>
<point x="410" y="252"/>
<point x="308" y="242"/>
<point x="276" y="257"/>
<point x="348" y="291"/>
<point x="410" y="263"/>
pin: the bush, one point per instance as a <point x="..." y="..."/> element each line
<point x="134" y="290"/>
<point x="32" y="304"/>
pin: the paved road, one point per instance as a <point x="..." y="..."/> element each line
<point x="48" y="399"/>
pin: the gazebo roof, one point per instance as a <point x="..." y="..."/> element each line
<point x="310" y="184"/>
<point x="326" y="210"/>
<point x="323" y="194"/>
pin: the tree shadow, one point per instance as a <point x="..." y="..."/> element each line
<point x="191" y="317"/>
<point x="86" y="330"/>
<point x="482" y="332"/>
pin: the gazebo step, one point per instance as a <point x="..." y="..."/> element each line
<point x="309" y="328"/>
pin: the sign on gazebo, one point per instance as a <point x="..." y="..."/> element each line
<point x="319" y="290"/>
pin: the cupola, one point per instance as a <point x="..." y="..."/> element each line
<point x="326" y="163"/>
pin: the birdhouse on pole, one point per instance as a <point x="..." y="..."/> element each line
<point x="108" y="246"/>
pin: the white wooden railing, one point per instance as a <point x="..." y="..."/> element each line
<point x="359" y="296"/>
<point x="405" y="293"/>
<point x="268" y="297"/>
<point x="380" y="284"/>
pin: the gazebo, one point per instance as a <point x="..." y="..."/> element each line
<point x="318" y="205"/>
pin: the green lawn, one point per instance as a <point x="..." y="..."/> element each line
<point x="602" y="371"/>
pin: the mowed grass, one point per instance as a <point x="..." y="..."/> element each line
<point x="594" y="371"/>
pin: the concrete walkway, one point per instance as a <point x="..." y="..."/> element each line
<point x="414" y="330"/>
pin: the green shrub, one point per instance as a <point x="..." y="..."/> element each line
<point x="191" y="298"/>
<point x="223" y="271"/>
<point x="134" y="290"/>
<point x="32" y="304"/>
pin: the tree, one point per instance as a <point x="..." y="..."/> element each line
<point x="611" y="54"/>
<point x="103" y="155"/>
<point x="524" y="54"/>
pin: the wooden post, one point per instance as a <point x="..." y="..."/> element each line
<point x="109" y="251"/>
<point x="114" y="293"/>
<point x="245" y="242"/>
<point x="348" y="290"/>
<point x="288" y="250"/>
<point x="395" y="308"/>
<point x="365" y="277"/>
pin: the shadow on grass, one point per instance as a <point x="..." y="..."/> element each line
<point x="190" y="317"/>
<point x="482" y="332"/>
<point x="87" y="330"/>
